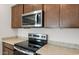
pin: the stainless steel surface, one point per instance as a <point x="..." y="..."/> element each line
<point x="24" y="51"/>
<point x="32" y="13"/>
<point x="36" y="18"/>
<point x="35" y="42"/>
<point x="38" y="36"/>
<point x="37" y="25"/>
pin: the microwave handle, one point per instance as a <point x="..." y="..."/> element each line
<point x="36" y="19"/>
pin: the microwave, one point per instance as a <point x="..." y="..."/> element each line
<point x="32" y="19"/>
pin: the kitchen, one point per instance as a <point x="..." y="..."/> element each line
<point x="61" y="28"/>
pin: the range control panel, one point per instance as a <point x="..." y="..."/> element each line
<point x="38" y="36"/>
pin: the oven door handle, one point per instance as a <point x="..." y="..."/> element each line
<point x="26" y="52"/>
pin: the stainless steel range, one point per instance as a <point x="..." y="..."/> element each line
<point x="35" y="42"/>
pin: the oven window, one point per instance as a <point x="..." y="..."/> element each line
<point x="28" y="20"/>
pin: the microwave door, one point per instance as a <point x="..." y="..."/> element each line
<point x="28" y="20"/>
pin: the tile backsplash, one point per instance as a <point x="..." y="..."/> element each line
<point x="66" y="35"/>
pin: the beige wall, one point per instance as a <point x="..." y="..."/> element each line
<point x="5" y="23"/>
<point x="67" y="35"/>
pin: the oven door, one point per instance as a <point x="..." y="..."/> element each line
<point x="16" y="52"/>
<point x="21" y="51"/>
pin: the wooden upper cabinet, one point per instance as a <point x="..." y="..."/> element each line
<point x="55" y="15"/>
<point x="69" y="15"/>
<point x="37" y="7"/>
<point x="17" y="10"/>
<point x="51" y="15"/>
<point x="14" y="16"/>
<point x="32" y="7"/>
<point x="27" y="8"/>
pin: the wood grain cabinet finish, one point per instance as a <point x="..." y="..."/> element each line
<point x="69" y="15"/>
<point x="27" y="8"/>
<point x="32" y="7"/>
<point x="37" y="7"/>
<point x="8" y="49"/>
<point x="17" y="10"/>
<point x="51" y="15"/>
<point x="5" y="51"/>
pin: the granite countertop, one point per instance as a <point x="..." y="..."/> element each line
<point x="13" y="40"/>
<point x="50" y="49"/>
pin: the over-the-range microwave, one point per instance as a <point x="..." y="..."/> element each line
<point x="32" y="19"/>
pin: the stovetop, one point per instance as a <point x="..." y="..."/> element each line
<point x="28" y="46"/>
<point x="34" y="42"/>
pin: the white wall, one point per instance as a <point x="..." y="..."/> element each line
<point x="5" y="23"/>
<point x="67" y="35"/>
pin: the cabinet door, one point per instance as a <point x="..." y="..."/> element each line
<point x="5" y="51"/>
<point x="27" y="8"/>
<point x="51" y="14"/>
<point x="37" y="7"/>
<point x="10" y="52"/>
<point x="69" y="15"/>
<point x="17" y="10"/>
<point x="32" y="7"/>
